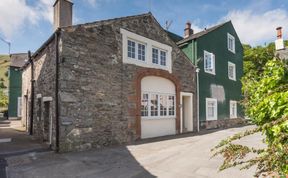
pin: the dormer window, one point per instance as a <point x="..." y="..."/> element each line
<point x="145" y="52"/>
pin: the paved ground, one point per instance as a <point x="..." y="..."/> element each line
<point x="14" y="139"/>
<point x="182" y="157"/>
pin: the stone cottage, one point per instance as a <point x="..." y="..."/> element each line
<point x="106" y="83"/>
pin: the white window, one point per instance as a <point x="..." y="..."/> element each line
<point x="233" y="109"/>
<point x="211" y="109"/>
<point x="231" y="43"/>
<point x="136" y="50"/>
<point x="158" y="56"/>
<point x="157" y="105"/>
<point x="145" y="52"/>
<point x="231" y="71"/>
<point x="209" y="62"/>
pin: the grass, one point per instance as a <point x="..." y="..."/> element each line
<point x="4" y="66"/>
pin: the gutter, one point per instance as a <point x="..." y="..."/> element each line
<point x="56" y="35"/>
<point x="32" y="93"/>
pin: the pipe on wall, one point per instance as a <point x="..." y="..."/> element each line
<point x="56" y="90"/>
<point x="32" y="93"/>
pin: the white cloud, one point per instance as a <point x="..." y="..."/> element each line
<point x="257" y="28"/>
<point x="92" y="2"/>
<point x="13" y="15"/>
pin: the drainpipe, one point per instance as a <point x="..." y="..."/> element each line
<point x="32" y="93"/>
<point x="56" y="90"/>
<point x="198" y="121"/>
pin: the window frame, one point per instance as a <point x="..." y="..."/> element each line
<point x="234" y="70"/>
<point x="233" y="102"/>
<point x="229" y="36"/>
<point x="159" y="116"/>
<point x="212" y="57"/>
<point x="136" y="50"/>
<point x="215" y="109"/>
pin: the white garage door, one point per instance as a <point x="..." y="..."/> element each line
<point x="158" y="107"/>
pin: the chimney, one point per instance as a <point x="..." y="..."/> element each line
<point x="188" y="31"/>
<point x="62" y="13"/>
<point x="279" y="43"/>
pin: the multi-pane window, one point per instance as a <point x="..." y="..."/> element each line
<point x="144" y="105"/>
<point x="131" y="49"/>
<point x="163" y="105"/>
<point x="154" y="105"/>
<point x="233" y="109"/>
<point x="159" y="56"/>
<point x="141" y="52"/>
<point x="171" y="105"/>
<point x="157" y="105"/>
<point x="211" y="109"/>
<point x="136" y="50"/>
<point x="231" y="71"/>
<point x="231" y="42"/>
<point x="209" y="62"/>
<point x="155" y="56"/>
<point x="163" y="58"/>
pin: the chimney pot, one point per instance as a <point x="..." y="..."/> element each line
<point x="188" y="31"/>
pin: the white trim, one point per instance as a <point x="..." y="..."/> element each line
<point x="229" y="36"/>
<point x="234" y="71"/>
<point x="38" y="96"/>
<point x="215" y="109"/>
<point x="148" y="54"/>
<point x="213" y="62"/>
<point x="47" y="98"/>
<point x="19" y="106"/>
<point x="181" y="110"/>
<point x="232" y="103"/>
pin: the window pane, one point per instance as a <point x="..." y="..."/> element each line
<point x="163" y="105"/>
<point x="155" y="56"/>
<point x="211" y="109"/>
<point x="171" y="105"/>
<point x="163" y="58"/>
<point x="141" y="52"/>
<point x="131" y="49"/>
<point x="154" y="105"/>
<point x="208" y="62"/>
<point x="144" y="105"/>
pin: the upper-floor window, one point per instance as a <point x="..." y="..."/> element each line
<point x="144" y="52"/>
<point x="158" y="56"/>
<point x="231" y="71"/>
<point x="231" y="43"/>
<point x="136" y="50"/>
<point x="209" y="62"/>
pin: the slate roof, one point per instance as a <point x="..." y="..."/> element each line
<point x="199" y="34"/>
<point x="18" y="59"/>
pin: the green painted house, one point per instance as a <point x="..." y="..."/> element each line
<point x="218" y="53"/>
<point x="15" y="84"/>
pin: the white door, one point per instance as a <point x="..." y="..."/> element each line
<point x="186" y="121"/>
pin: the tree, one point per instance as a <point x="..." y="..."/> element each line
<point x="3" y="99"/>
<point x="265" y="87"/>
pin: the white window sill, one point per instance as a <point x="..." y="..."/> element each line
<point x="234" y="79"/>
<point x="158" y="118"/>
<point x="213" y="73"/>
<point x="211" y="119"/>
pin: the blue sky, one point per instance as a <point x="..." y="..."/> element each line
<point x="28" y="23"/>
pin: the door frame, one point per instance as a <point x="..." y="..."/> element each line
<point x="186" y="94"/>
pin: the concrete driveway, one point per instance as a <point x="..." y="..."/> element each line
<point x="185" y="156"/>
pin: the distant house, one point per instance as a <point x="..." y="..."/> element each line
<point x="281" y="49"/>
<point x="107" y="82"/>
<point x="15" y="84"/>
<point x="218" y="53"/>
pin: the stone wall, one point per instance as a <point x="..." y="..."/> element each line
<point x="97" y="90"/>
<point x="222" y="123"/>
<point x="26" y="96"/>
